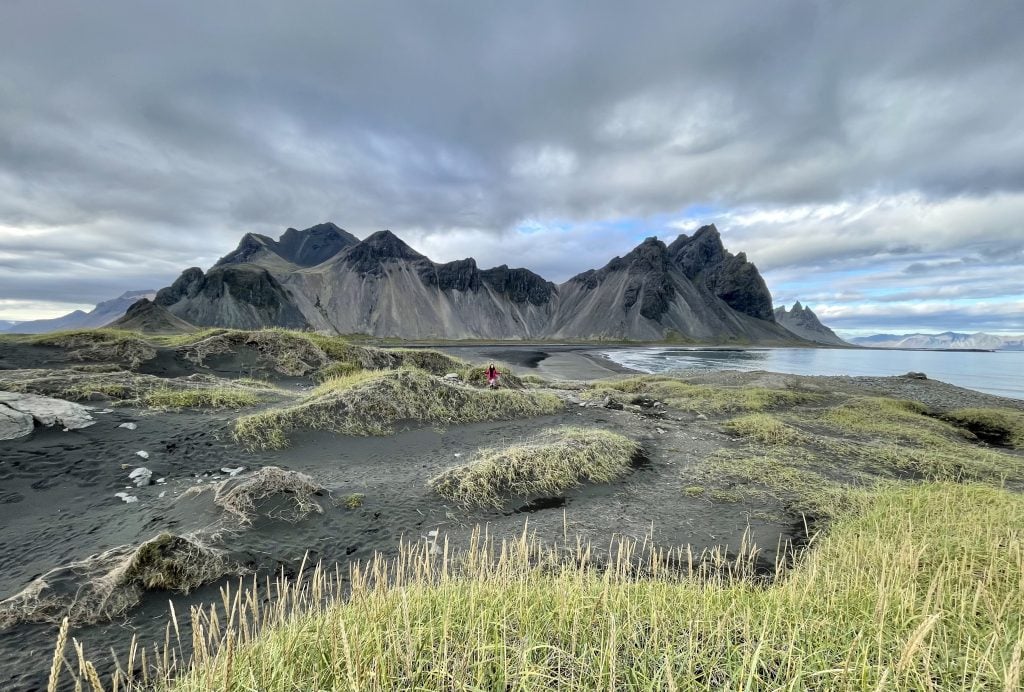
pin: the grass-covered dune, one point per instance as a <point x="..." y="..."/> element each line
<point x="915" y="587"/>
<point x="371" y="402"/>
<point x="549" y="463"/>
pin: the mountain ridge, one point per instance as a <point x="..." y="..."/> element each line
<point x="692" y="289"/>
<point x="942" y="341"/>
<point x="802" y="321"/>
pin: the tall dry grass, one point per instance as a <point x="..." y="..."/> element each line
<point x="916" y="587"/>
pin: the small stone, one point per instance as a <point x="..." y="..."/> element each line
<point x="97" y="396"/>
<point x="162" y="493"/>
<point x="451" y="377"/>
<point x="701" y="416"/>
<point x="128" y="426"/>
<point x="141" y="476"/>
<point x="660" y="431"/>
<point x="232" y="471"/>
<point x="142" y="453"/>
<point x="916" y="375"/>
<point x="161" y="481"/>
<point x="126" y="498"/>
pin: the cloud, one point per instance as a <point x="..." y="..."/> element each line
<point x="832" y="140"/>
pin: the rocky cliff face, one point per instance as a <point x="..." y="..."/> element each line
<point x="691" y="289"/>
<point x="804" y="323"/>
<point x="242" y="296"/>
<point x="146" y="316"/>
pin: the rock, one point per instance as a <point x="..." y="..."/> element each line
<point x="232" y="471"/>
<point x="162" y="493"/>
<point x="451" y="377"/>
<point x="612" y="404"/>
<point x="142" y="453"/>
<point x="128" y="426"/>
<point x="141" y="477"/>
<point x="14" y="424"/>
<point x="916" y="375"/>
<point x="42" y="410"/>
<point x="701" y="416"/>
<point x="97" y="396"/>
<point x="125" y="497"/>
<point x="161" y="481"/>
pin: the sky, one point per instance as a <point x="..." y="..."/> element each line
<point x="867" y="156"/>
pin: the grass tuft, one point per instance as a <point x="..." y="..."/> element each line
<point x="211" y="397"/>
<point x="553" y="461"/>
<point x="765" y="428"/>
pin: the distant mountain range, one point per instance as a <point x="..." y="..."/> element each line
<point x="103" y="314"/>
<point x="325" y="278"/>
<point x="804" y="323"/>
<point x="5" y="325"/>
<point x="945" y="340"/>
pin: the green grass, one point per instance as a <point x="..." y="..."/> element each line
<point x="764" y="428"/>
<point x="701" y="398"/>
<point x="915" y="587"/>
<point x="551" y="462"/>
<point x="339" y="368"/>
<point x="212" y="397"/>
<point x="371" y="403"/>
<point x="354" y="500"/>
<point x="999" y="425"/>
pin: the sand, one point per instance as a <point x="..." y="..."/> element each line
<point x="58" y="503"/>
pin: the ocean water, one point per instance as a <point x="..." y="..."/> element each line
<point x="999" y="372"/>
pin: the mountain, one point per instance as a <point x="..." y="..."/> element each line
<point x="804" y="323"/>
<point x="103" y="314"/>
<point x="7" y="325"/>
<point x="147" y="316"/>
<point x="297" y="248"/>
<point x="945" y="340"/>
<point x="691" y="289"/>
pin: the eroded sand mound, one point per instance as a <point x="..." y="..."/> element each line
<point x="271" y="492"/>
<point x="106" y="585"/>
<point x="370" y="404"/>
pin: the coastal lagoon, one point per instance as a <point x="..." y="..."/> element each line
<point x="993" y="372"/>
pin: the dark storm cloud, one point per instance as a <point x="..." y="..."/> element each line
<point x="137" y="138"/>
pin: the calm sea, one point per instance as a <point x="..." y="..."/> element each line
<point x="1000" y="372"/>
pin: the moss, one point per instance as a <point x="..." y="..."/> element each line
<point x="553" y="461"/>
<point x="693" y="490"/>
<point x="354" y="501"/>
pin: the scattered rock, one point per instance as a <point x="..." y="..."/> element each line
<point x="916" y="375"/>
<point x="128" y="426"/>
<point x="141" y="477"/>
<point x="126" y="498"/>
<point x="42" y="410"/>
<point x="452" y="377"/>
<point x="612" y="404"/>
<point x="142" y="453"/>
<point x="162" y="493"/>
<point x="161" y="481"/>
<point x="232" y="471"/>
<point x="701" y="416"/>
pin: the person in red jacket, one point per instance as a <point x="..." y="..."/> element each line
<point x="492" y="376"/>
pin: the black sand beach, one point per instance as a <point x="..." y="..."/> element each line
<point x="58" y="503"/>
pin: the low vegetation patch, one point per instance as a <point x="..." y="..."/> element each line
<point x="999" y="426"/>
<point x="372" y="403"/>
<point x="211" y="397"/>
<point x="765" y="428"/>
<point x="476" y="375"/>
<point x="341" y="368"/>
<point x="701" y="398"/>
<point x="914" y="587"/>
<point x="549" y="463"/>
